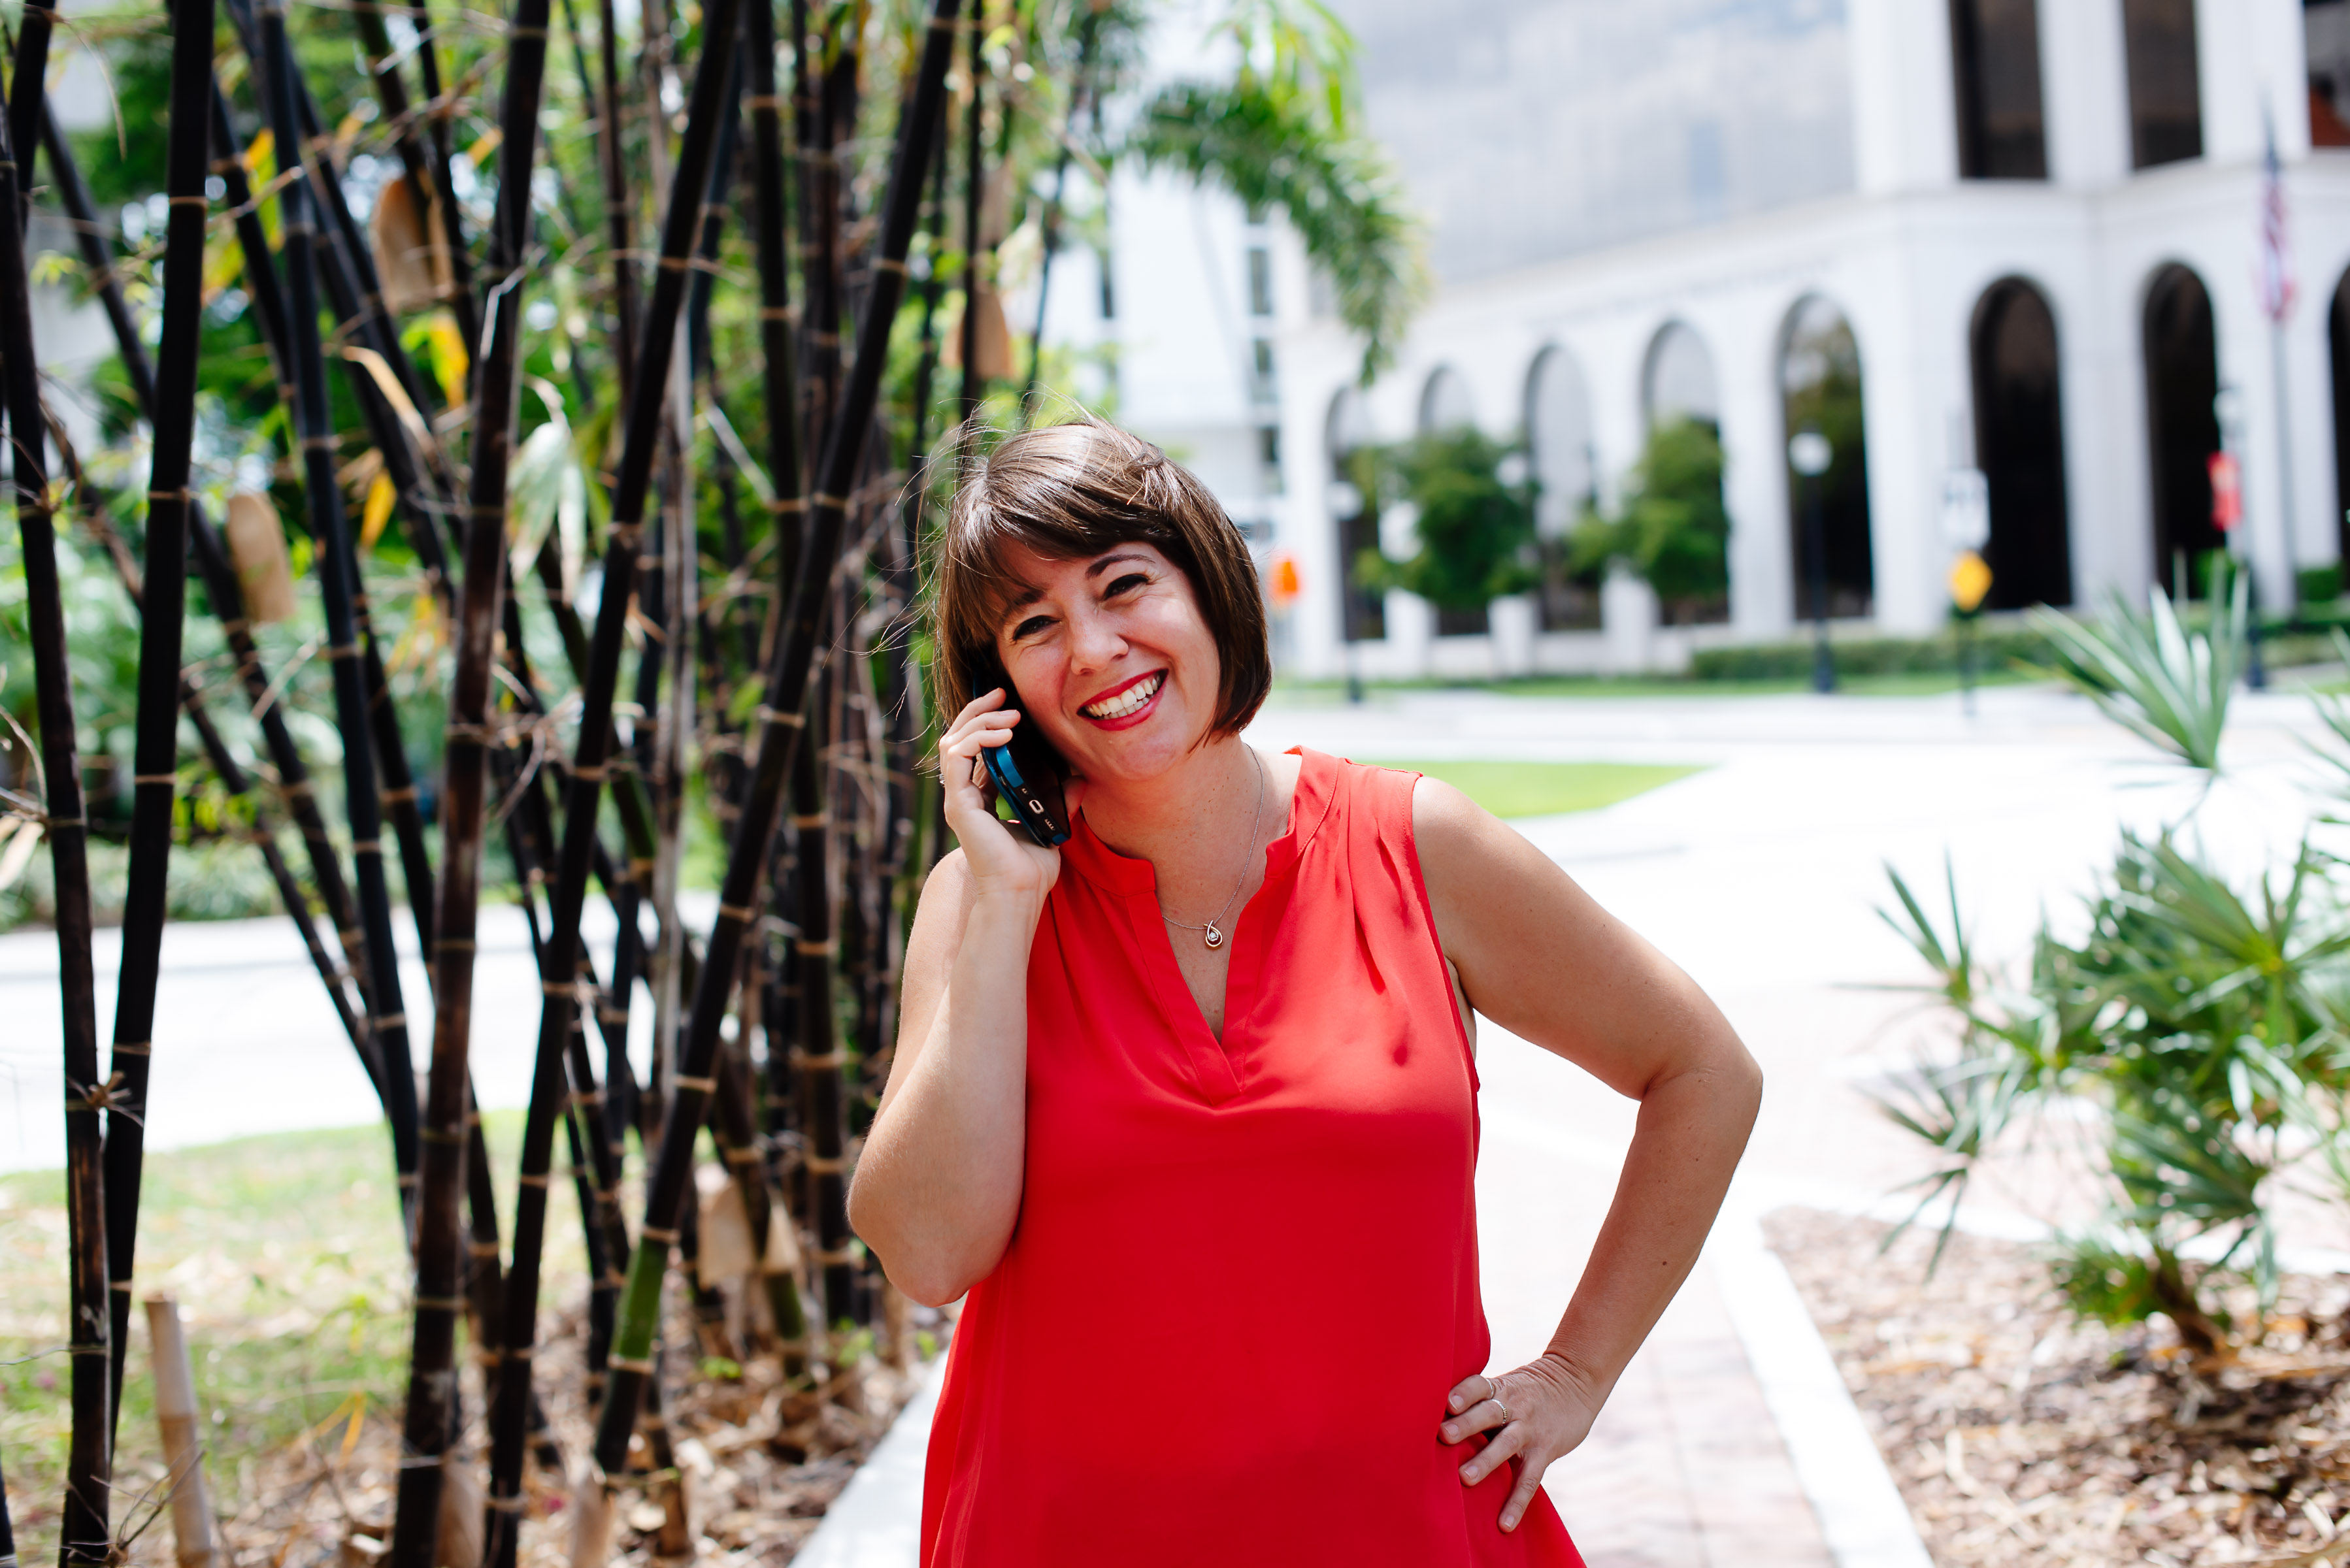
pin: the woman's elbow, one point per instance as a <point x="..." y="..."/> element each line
<point x="919" y="1273"/>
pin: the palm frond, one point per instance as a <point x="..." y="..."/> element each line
<point x="2163" y="683"/>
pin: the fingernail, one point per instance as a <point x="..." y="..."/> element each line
<point x="1452" y="1434"/>
<point x="1458" y="1403"/>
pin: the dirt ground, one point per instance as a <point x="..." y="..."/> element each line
<point x="2022" y="1437"/>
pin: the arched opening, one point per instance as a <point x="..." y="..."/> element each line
<point x="1819" y="388"/>
<point x="2020" y="446"/>
<point x="2182" y="380"/>
<point x="1354" y="504"/>
<point x="1445" y="403"/>
<point x="1677" y="382"/>
<point x="1995" y="66"/>
<point x="2166" y="82"/>
<point x="1673" y="499"/>
<point x="1558" y="443"/>
<point x="1447" y="409"/>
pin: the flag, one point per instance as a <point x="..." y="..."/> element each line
<point x="2276" y="278"/>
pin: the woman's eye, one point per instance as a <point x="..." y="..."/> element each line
<point x="1029" y="628"/>
<point x="1131" y="580"/>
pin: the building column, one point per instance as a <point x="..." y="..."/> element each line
<point x="2084" y="93"/>
<point x="1905" y="134"/>
<point x="1744" y="343"/>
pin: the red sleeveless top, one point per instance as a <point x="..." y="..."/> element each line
<point x="1244" y="1275"/>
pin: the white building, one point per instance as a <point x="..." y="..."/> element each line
<point x="2039" y="222"/>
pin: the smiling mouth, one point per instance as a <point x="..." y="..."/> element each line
<point x="1128" y="699"/>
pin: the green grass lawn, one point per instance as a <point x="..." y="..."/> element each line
<point x="1545" y="789"/>
<point x="1929" y="683"/>
<point x="285" y="1253"/>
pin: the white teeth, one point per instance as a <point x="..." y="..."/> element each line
<point x="1128" y="700"/>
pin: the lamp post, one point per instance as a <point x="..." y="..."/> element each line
<point x="1809" y="454"/>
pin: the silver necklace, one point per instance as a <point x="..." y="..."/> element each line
<point x="1213" y="930"/>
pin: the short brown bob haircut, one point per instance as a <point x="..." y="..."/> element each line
<point x="1072" y="491"/>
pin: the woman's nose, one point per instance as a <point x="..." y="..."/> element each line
<point x="1095" y="642"/>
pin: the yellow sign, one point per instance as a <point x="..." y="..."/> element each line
<point x="1969" y="581"/>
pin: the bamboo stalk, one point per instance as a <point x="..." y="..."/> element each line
<point x="7" y="1530"/>
<point x="294" y="780"/>
<point x="221" y="581"/>
<point x="1080" y="83"/>
<point x="29" y="98"/>
<point x="618" y="220"/>
<point x="163" y="614"/>
<point x="338" y="578"/>
<point x="432" y="1396"/>
<point x="974" y="187"/>
<point x="782" y="716"/>
<point x="433" y="198"/>
<point x="442" y="111"/>
<point x="341" y="256"/>
<point x="646" y="414"/>
<point x="83" y="1531"/>
<point x="815" y="1043"/>
<point x="177" y="1414"/>
<point x="97" y="255"/>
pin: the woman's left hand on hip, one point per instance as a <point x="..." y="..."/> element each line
<point x="1540" y="1412"/>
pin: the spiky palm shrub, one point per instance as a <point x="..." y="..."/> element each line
<point x="2203" y="1020"/>
<point x="2150" y="675"/>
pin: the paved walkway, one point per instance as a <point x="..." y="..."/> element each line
<point x="1760" y="874"/>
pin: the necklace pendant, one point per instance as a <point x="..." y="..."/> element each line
<point x="1215" y="939"/>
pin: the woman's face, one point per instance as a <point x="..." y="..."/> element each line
<point x="1111" y="659"/>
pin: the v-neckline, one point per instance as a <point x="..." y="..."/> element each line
<point x="1137" y="880"/>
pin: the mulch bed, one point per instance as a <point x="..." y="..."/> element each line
<point x="2022" y="1437"/>
<point x="759" y="1464"/>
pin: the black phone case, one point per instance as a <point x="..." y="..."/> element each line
<point x="1033" y="787"/>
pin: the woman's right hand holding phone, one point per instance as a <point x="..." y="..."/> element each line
<point x="1002" y="858"/>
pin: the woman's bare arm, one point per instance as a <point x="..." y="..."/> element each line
<point x="1539" y="956"/>
<point x="938" y="1185"/>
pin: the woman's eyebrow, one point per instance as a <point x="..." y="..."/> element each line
<point x="1106" y="561"/>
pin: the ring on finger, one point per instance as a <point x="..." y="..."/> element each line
<point x="1495" y="1396"/>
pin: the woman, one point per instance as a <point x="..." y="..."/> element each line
<point x="1187" y="1106"/>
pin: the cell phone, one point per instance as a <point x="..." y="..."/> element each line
<point x="1028" y="773"/>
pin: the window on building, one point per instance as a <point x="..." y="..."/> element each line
<point x="2166" y="83"/>
<point x="2325" y="45"/>
<point x="1268" y="456"/>
<point x="1995" y="61"/>
<point x="1259" y="281"/>
<point x="1108" y="295"/>
<point x="1261" y="382"/>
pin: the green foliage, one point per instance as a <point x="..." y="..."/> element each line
<point x="1673" y="529"/>
<point x="1476" y="533"/>
<point x="2320" y="587"/>
<point x="2163" y="683"/>
<point x="2204" y="1023"/>
<point x="1990" y="651"/>
<point x="1273" y="145"/>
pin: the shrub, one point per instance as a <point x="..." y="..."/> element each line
<point x="1673" y="529"/>
<point x="2203" y="1020"/>
<point x="1476" y="532"/>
